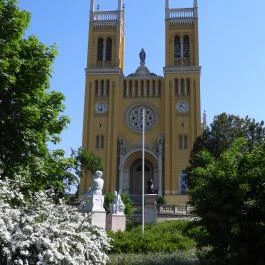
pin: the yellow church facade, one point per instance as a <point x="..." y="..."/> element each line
<point x="114" y="104"/>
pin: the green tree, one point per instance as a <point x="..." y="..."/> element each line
<point x="223" y="131"/>
<point x="228" y="195"/>
<point x="85" y="160"/>
<point x="30" y="114"/>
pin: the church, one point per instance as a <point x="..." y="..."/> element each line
<point x="113" y="107"/>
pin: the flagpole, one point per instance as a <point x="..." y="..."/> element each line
<point x="143" y="142"/>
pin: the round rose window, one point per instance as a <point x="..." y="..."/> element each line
<point x="135" y="118"/>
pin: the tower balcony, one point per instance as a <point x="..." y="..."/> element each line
<point x="106" y="19"/>
<point x="181" y="14"/>
<point x="106" y="16"/>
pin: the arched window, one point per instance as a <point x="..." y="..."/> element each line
<point x="142" y="88"/>
<point x="182" y="88"/>
<point x="100" y="50"/>
<point x="177" y="87"/>
<point x="130" y="88"/>
<point x="177" y="48"/>
<point x="154" y="88"/>
<point x="97" y="91"/>
<point x="188" y="87"/>
<point x="109" y="49"/>
<point x="186" y="47"/>
<point x="125" y="90"/>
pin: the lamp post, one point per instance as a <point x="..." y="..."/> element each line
<point x="143" y="143"/>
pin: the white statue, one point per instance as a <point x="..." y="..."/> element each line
<point x="93" y="200"/>
<point x="97" y="185"/>
<point x="117" y="206"/>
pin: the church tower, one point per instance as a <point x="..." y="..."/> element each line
<point x="182" y="92"/>
<point x="105" y="65"/>
<point x="114" y="104"/>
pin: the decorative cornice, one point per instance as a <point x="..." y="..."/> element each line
<point x="181" y="69"/>
<point x="132" y="77"/>
<point x="105" y="71"/>
<point x="182" y="22"/>
<point x="104" y="25"/>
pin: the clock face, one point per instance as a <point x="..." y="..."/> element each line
<point x="101" y="107"/>
<point x="182" y="106"/>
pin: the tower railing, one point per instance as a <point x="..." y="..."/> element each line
<point x="180" y="13"/>
<point x="106" y="15"/>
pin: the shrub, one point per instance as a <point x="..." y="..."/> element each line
<point x="177" y="258"/>
<point x="164" y="237"/>
<point x="37" y="231"/>
<point x="161" y="200"/>
<point x="228" y="195"/>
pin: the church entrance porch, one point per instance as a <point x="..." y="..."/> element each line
<point x="130" y="174"/>
<point x="135" y="181"/>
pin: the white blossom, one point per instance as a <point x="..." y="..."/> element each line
<point x="37" y="231"/>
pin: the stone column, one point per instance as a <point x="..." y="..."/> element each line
<point x="181" y="49"/>
<point x="121" y="179"/>
<point x="126" y="181"/>
<point x="121" y="169"/>
<point x="160" y="165"/>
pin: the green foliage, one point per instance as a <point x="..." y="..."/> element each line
<point x="177" y="258"/>
<point x="85" y="160"/>
<point x="128" y="204"/>
<point x="228" y="194"/>
<point x="108" y="199"/>
<point x="222" y="132"/>
<point x="161" y="200"/>
<point x="30" y="114"/>
<point x="164" y="237"/>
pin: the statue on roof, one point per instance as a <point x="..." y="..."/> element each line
<point x="142" y="55"/>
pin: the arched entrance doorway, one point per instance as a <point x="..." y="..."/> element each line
<point x="130" y="177"/>
<point x="130" y="167"/>
<point x="135" y="182"/>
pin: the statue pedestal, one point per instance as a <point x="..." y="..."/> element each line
<point x="150" y="210"/>
<point x="94" y="204"/>
<point x="116" y="222"/>
<point x="99" y="219"/>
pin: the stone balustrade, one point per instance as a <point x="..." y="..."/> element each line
<point x="173" y="210"/>
<point x="181" y="13"/>
<point x="106" y="16"/>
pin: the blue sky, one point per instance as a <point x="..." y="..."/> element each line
<point x="232" y="51"/>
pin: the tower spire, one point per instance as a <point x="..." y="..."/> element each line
<point x="167" y="8"/>
<point x="167" y="4"/>
<point x="195" y="6"/>
<point x="119" y="4"/>
<point x="91" y="5"/>
<point x="204" y="121"/>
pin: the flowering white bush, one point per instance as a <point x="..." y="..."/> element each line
<point x="37" y="231"/>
